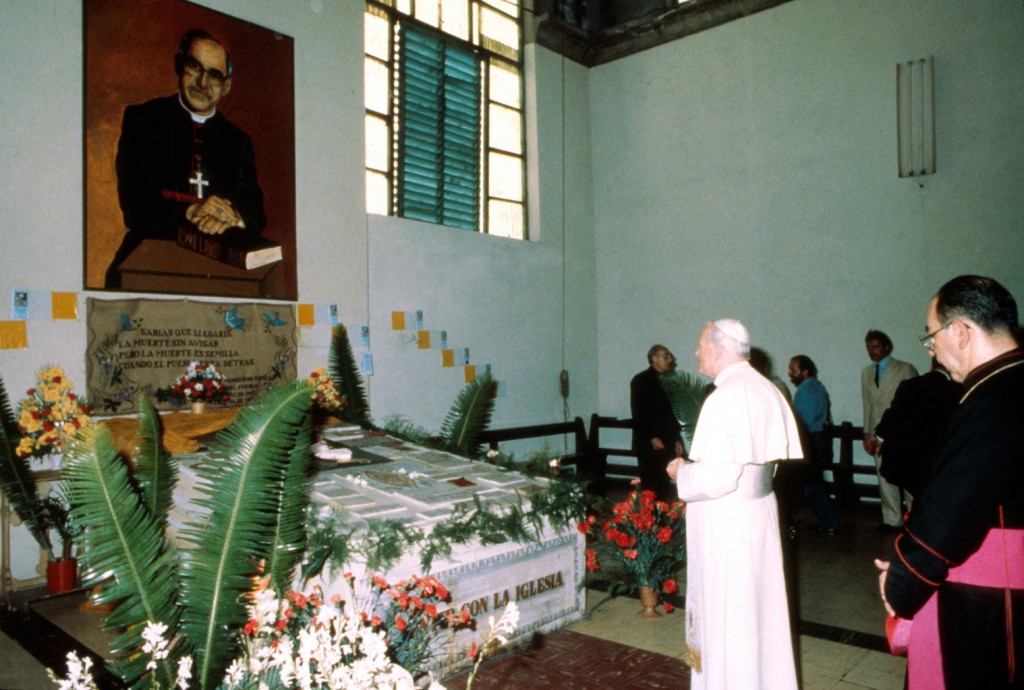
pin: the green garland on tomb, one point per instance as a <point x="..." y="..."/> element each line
<point x="562" y="503"/>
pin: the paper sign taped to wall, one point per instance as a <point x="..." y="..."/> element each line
<point x="64" y="305"/>
<point x="13" y="335"/>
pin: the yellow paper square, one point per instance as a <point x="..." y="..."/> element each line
<point x="423" y="338"/>
<point x="470" y="373"/>
<point x="398" y="320"/>
<point x="64" y="305"/>
<point x="13" y="335"/>
<point x="447" y="358"/>
<point x="306" y="315"/>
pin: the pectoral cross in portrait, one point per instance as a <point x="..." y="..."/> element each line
<point x="199" y="183"/>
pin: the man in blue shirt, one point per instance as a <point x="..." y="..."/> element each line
<point x="812" y="407"/>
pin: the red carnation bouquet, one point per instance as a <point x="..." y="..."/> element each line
<point x="642" y="535"/>
<point x="200" y="383"/>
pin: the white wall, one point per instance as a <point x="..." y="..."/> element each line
<point x="502" y="299"/>
<point x="751" y="171"/>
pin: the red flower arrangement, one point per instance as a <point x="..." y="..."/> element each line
<point x="639" y="535"/>
<point x="200" y="383"/>
<point x="408" y="614"/>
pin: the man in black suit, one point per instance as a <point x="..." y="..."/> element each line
<point x="656" y="436"/>
<point x="910" y="431"/>
<point x="180" y="160"/>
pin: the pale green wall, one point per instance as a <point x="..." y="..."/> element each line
<point x="750" y="171"/>
<point x="500" y="298"/>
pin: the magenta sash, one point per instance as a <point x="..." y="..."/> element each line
<point x="998" y="563"/>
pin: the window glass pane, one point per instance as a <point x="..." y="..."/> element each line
<point x="505" y="176"/>
<point x="427" y="12"/>
<point x="455" y="18"/>
<point x="505" y="219"/>
<point x="375" y="34"/>
<point x="504" y="83"/>
<point x="376" y="193"/>
<point x="376" y="83"/>
<point x="499" y="33"/>
<point x="505" y="129"/>
<point x="426" y="158"/>
<point x="378" y="144"/>
<point x="506" y="6"/>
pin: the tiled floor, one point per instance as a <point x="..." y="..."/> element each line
<point x="841" y="619"/>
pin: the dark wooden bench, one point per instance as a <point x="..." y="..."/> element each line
<point x="623" y="467"/>
<point x="846" y="490"/>
<point x="580" y="458"/>
<point x="608" y="465"/>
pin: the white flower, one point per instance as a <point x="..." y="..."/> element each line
<point x="507" y="624"/>
<point x="156" y="645"/>
<point x="235" y="673"/>
<point x="184" y="672"/>
<point x="78" y="678"/>
<point x="493" y="453"/>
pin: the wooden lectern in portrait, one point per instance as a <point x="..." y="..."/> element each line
<point x="163" y="266"/>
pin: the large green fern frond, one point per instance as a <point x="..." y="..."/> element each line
<point x="288" y="538"/>
<point x="241" y="493"/>
<point x="154" y="471"/>
<point x="17" y="479"/>
<point x="469" y="416"/>
<point x="124" y="548"/>
<point x="686" y="392"/>
<point x="341" y="365"/>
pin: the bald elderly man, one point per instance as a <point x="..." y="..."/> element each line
<point x="737" y="616"/>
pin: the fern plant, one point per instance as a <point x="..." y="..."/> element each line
<point x="253" y="499"/>
<point x="686" y="393"/>
<point x="469" y="416"/>
<point x="341" y="366"/>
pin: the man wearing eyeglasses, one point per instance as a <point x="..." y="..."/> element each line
<point x="180" y="160"/>
<point x="878" y="383"/>
<point x="958" y="567"/>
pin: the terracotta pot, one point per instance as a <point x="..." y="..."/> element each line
<point x="199" y="407"/>
<point x="649" y="600"/>
<point x="62" y="575"/>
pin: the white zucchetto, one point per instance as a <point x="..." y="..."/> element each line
<point x="735" y="330"/>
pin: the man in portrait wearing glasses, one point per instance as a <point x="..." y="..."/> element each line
<point x="180" y="160"/>
<point x="878" y="383"/>
<point x="958" y="566"/>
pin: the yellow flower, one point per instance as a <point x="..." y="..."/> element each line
<point x="25" y="447"/>
<point x="51" y="415"/>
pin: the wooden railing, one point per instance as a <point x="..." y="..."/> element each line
<point x="607" y="463"/>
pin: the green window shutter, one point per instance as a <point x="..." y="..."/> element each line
<point x="439" y="159"/>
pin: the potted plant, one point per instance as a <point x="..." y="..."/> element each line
<point x="61" y="572"/>
<point x="642" y="537"/>
<point x="48" y="416"/>
<point x="195" y="589"/>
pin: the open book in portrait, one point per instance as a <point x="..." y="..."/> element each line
<point x="236" y="247"/>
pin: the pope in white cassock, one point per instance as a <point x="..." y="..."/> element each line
<point x="737" y="617"/>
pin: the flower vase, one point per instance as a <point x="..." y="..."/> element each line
<point x="649" y="600"/>
<point x="198" y="407"/>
